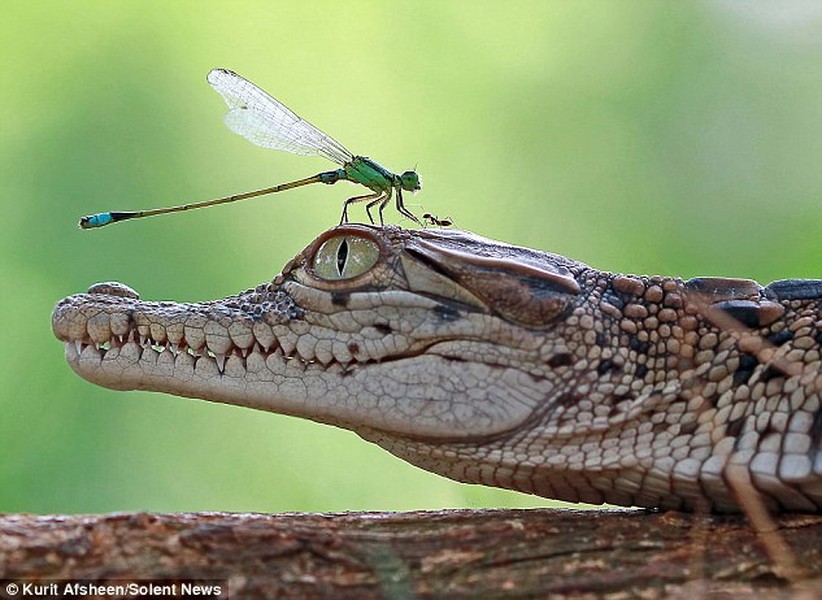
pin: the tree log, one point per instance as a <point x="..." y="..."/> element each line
<point x="453" y="553"/>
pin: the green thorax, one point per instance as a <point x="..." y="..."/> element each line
<point x="365" y="171"/>
<point x="374" y="176"/>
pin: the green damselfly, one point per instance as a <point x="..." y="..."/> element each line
<point x="267" y="122"/>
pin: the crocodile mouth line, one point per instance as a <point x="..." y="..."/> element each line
<point x="139" y="344"/>
<point x="343" y="355"/>
<point x="116" y="347"/>
<point x="142" y="344"/>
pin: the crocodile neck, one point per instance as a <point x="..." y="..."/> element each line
<point x="500" y="365"/>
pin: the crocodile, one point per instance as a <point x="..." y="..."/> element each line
<point x="500" y="365"/>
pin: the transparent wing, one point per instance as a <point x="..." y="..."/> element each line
<point x="267" y="122"/>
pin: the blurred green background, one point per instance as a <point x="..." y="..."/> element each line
<point x="640" y="137"/>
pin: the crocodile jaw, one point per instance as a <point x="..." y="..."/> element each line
<point x="262" y="350"/>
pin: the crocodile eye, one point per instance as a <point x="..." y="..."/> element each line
<point x="344" y="257"/>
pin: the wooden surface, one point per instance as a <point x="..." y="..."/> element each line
<point x="469" y="554"/>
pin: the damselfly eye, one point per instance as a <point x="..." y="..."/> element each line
<point x="344" y="257"/>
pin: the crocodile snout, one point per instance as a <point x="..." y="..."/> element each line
<point x="114" y="288"/>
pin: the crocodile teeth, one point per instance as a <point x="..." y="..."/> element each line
<point x="218" y="345"/>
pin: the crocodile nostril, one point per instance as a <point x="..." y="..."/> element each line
<point x="113" y="288"/>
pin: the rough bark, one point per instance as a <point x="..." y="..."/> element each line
<point x="476" y="553"/>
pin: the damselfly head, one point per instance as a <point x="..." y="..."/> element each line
<point x="410" y="181"/>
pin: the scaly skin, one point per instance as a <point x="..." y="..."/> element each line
<point x="495" y="364"/>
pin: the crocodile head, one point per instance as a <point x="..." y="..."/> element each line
<point x="389" y="332"/>
<point x="495" y="364"/>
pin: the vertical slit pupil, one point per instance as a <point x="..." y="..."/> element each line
<point x="342" y="256"/>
